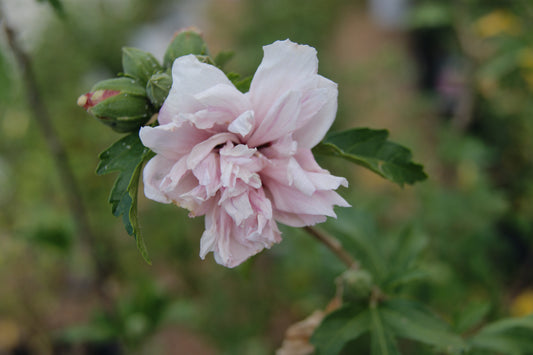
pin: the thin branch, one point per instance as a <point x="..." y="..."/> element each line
<point x="334" y="245"/>
<point x="58" y="152"/>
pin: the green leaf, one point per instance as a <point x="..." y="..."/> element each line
<point x="382" y="340"/>
<point x="412" y="320"/>
<point x="185" y="42"/>
<point x="404" y="252"/>
<point x="508" y="336"/>
<point x="371" y="149"/>
<point x="126" y="156"/>
<point x="471" y="316"/>
<point x="356" y="231"/>
<point x="340" y="327"/>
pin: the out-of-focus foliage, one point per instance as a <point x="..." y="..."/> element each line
<point x="459" y="244"/>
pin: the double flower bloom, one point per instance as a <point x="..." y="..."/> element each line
<point x="244" y="160"/>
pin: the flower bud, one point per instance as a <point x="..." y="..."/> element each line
<point x="188" y="41"/>
<point x="120" y="103"/>
<point x="139" y="64"/>
<point x="158" y="87"/>
<point x="357" y="284"/>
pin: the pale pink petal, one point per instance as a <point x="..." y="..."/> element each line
<point x="225" y="98"/>
<point x="243" y="124"/>
<point x="319" y="123"/>
<point x="154" y="172"/>
<point x="189" y="77"/>
<point x="298" y="177"/>
<point x="285" y="147"/>
<point x="298" y="219"/>
<point x="208" y="174"/>
<point x="200" y="151"/>
<point x="281" y="119"/>
<point x="287" y="199"/>
<point x="238" y="208"/>
<point x="285" y="66"/>
<point x="172" y="140"/>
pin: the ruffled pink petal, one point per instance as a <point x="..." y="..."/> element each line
<point x="189" y="77"/>
<point x="322" y="108"/>
<point x="172" y="140"/>
<point x="225" y="99"/>
<point x="201" y="150"/>
<point x="298" y="219"/>
<point x="285" y="66"/>
<point x="231" y="244"/>
<point x="281" y="119"/>
<point x="153" y="174"/>
<point x="288" y="199"/>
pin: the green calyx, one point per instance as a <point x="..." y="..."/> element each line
<point x="139" y="64"/>
<point x="158" y="87"/>
<point x="184" y="43"/>
<point x="127" y="109"/>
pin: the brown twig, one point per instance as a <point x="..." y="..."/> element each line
<point x="334" y="245"/>
<point x="58" y="152"/>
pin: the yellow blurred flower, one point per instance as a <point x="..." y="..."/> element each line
<point x="497" y="22"/>
<point x="523" y="304"/>
<point x="525" y="58"/>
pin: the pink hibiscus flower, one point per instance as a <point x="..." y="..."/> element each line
<point x="244" y="160"/>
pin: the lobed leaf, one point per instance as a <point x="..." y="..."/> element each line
<point x="126" y="156"/>
<point x="508" y="336"/>
<point x="382" y="339"/>
<point x="412" y="320"/>
<point x="338" y="328"/>
<point x="371" y="149"/>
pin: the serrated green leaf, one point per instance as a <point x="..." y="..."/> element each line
<point x="371" y="149"/>
<point x="340" y="327"/>
<point x="126" y="156"/>
<point x="382" y="339"/>
<point x="412" y="320"/>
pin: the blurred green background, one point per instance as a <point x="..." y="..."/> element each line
<point x="453" y="81"/>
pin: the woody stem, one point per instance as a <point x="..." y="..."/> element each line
<point x="334" y="245"/>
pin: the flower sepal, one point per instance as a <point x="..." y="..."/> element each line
<point x="158" y="87"/>
<point x="139" y="64"/>
<point x="188" y="41"/>
<point x="120" y="103"/>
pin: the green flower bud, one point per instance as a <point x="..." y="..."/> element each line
<point x="357" y="284"/>
<point x="158" y="87"/>
<point x="188" y="41"/>
<point x="120" y="103"/>
<point x="139" y="64"/>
